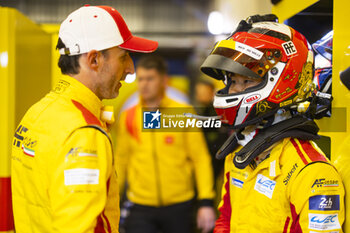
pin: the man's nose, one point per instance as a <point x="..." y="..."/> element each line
<point x="130" y="68"/>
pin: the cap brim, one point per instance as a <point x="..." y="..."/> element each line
<point x="138" y="44"/>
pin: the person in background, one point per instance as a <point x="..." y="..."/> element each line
<point x="276" y="178"/>
<point x="163" y="170"/>
<point x="204" y="96"/>
<point x="63" y="175"/>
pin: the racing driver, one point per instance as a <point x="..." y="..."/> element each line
<point x="276" y="178"/>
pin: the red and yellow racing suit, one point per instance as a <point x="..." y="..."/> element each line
<point x="294" y="190"/>
<point x="63" y="176"/>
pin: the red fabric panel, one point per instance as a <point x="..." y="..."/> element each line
<point x="6" y="215"/>
<point x="90" y="118"/>
<point x="295" y="227"/>
<point x="99" y="226"/>
<point x="299" y="151"/>
<point x="222" y="224"/>
<point x="313" y="154"/>
<point x="286" y="225"/>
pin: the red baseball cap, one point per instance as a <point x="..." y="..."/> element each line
<point x="99" y="28"/>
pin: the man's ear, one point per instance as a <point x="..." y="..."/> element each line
<point x="94" y="60"/>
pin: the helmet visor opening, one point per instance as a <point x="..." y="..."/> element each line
<point x="260" y="66"/>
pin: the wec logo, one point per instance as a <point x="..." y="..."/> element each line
<point x="265" y="186"/>
<point x="323" y="222"/>
<point x="328" y="219"/>
<point x="267" y="183"/>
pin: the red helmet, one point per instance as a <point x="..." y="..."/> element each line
<point x="275" y="53"/>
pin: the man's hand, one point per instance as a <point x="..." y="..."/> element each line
<point x="206" y="218"/>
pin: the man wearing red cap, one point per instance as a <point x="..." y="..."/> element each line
<point x="63" y="177"/>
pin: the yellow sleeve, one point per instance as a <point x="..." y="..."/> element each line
<point x="317" y="198"/>
<point x="78" y="187"/>
<point x="199" y="154"/>
<point x="123" y="151"/>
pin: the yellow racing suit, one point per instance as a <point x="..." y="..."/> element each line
<point x="294" y="190"/>
<point x="162" y="168"/>
<point x="63" y="176"/>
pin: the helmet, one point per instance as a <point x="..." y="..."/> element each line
<point x="275" y="53"/>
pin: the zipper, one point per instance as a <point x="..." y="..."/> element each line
<point x="157" y="172"/>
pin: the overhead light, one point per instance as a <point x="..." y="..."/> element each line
<point x="130" y="78"/>
<point x="4" y="59"/>
<point x="215" y="23"/>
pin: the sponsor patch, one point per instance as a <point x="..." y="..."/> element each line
<point x="238" y="183"/>
<point x="324" y="202"/>
<point x="265" y="186"/>
<point x="80" y="176"/>
<point x="28" y="151"/>
<point x="82" y="152"/>
<point x="252" y="99"/>
<point x="290" y="173"/>
<point x="319" y="183"/>
<point x="289" y="48"/>
<point x="323" y="222"/>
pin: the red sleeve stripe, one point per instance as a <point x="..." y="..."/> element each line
<point x="310" y="151"/>
<point x="107" y="222"/>
<point x="226" y="207"/>
<point x="299" y="151"/>
<point x="222" y="224"/>
<point x="295" y="227"/>
<point x="99" y="226"/>
<point x="286" y="225"/>
<point x="90" y="118"/>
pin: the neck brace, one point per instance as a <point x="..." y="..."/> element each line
<point x="296" y="127"/>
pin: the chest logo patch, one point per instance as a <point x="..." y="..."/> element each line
<point x="236" y="182"/>
<point x="265" y="186"/>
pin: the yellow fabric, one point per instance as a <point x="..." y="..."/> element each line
<point x="63" y="176"/>
<point x="161" y="168"/>
<point x="293" y="183"/>
<point x="342" y="163"/>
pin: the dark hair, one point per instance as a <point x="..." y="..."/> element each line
<point x="153" y="62"/>
<point x="70" y="64"/>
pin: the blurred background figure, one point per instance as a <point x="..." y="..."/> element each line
<point x="204" y="96"/>
<point x="163" y="170"/>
